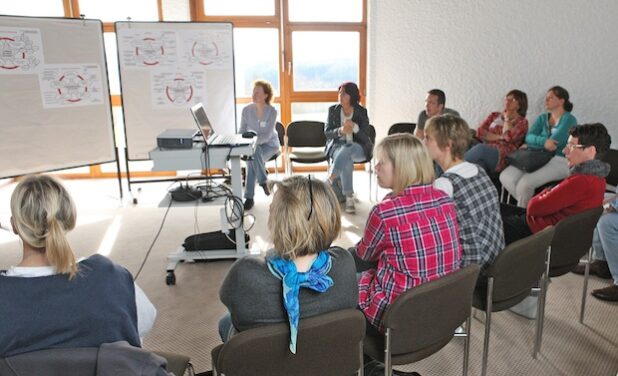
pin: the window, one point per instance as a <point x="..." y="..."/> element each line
<point x="119" y="10"/>
<point x="33" y="8"/>
<point x="325" y="11"/>
<point x="239" y="7"/>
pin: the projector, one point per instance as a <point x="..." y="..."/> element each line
<point x="176" y="139"/>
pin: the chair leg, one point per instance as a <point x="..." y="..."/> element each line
<point x="488" y="308"/>
<point x="467" y="344"/>
<point x="361" y="370"/>
<point x="540" y="311"/>
<point x="585" y="290"/>
<point x="276" y="170"/>
<point x="388" y="367"/>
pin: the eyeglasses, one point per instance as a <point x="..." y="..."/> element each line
<point x="572" y="147"/>
<point x="311" y="199"/>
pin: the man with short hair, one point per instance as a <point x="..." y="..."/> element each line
<point x="434" y="105"/>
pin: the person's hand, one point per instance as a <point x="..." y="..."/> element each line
<point x="348" y="127"/>
<point x="551" y="144"/>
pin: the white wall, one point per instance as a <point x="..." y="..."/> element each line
<point x="477" y="50"/>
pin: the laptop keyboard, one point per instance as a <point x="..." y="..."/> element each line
<point x="225" y="139"/>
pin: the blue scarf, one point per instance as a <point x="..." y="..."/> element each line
<point x="315" y="278"/>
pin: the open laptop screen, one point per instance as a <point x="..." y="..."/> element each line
<point x="201" y="120"/>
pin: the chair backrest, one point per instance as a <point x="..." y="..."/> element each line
<point x="520" y="265"/>
<point x="572" y="239"/>
<point x="118" y="358"/>
<point x="372" y="133"/>
<point x="402" y="128"/>
<point x="430" y="313"/>
<point x="328" y="344"/>
<point x="611" y="157"/>
<point x="306" y="133"/>
<point x="280" y="133"/>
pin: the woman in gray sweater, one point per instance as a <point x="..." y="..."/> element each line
<point x="317" y="278"/>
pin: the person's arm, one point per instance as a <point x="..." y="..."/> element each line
<point x="146" y="312"/>
<point x="561" y="131"/>
<point x="419" y="130"/>
<point x="332" y="125"/>
<point x="370" y="247"/>
<point x="483" y="128"/>
<point x="244" y="120"/>
<point x="516" y="134"/>
<point x="534" y="139"/>
<point x="552" y="200"/>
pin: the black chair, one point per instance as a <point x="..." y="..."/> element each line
<point x="423" y="320"/>
<point x="305" y="134"/>
<point x="327" y="345"/>
<point x="510" y="278"/>
<point x="369" y="162"/>
<point x="611" y="157"/>
<point x="572" y="240"/>
<point x="402" y="128"/>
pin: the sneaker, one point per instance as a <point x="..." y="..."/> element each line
<point x="597" y="267"/>
<point x="350" y="205"/>
<point x="265" y="188"/>
<point x="248" y="204"/>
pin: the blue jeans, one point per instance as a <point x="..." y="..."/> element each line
<point x="226" y="328"/>
<point x="605" y="242"/>
<point x="484" y="156"/>
<point x="344" y="157"/>
<point x="256" y="169"/>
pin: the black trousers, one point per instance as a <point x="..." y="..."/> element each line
<point x="514" y="222"/>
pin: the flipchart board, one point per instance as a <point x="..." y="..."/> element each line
<point x="167" y="67"/>
<point x="55" y="108"/>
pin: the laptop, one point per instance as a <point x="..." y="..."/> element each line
<point x="208" y="133"/>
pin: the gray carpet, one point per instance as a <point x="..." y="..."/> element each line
<point x="188" y="312"/>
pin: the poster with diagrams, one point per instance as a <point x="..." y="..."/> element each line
<point x="145" y="49"/>
<point x="208" y="49"/>
<point x="21" y="50"/>
<point x="70" y="85"/>
<point x="173" y="89"/>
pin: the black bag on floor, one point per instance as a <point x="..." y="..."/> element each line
<point x="212" y="240"/>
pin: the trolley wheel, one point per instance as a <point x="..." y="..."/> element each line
<point x="170" y="279"/>
<point x="134" y="201"/>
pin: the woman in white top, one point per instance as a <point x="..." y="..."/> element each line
<point x="260" y="118"/>
<point x="56" y="302"/>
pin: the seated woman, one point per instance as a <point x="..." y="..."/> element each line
<point x="259" y="117"/>
<point x="501" y="132"/>
<point x="347" y="134"/>
<point x="52" y="301"/>
<point x="412" y="234"/>
<point x="478" y="208"/>
<point x="317" y="278"/>
<point x="550" y="132"/>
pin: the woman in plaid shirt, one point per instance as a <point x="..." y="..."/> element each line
<point x="412" y="234"/>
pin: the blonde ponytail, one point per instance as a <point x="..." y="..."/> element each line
<point x="43" y="212"/>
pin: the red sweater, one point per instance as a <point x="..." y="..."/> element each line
<point x="573" y="195"/>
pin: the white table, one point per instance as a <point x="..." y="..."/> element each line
<point x="194" y="159"/>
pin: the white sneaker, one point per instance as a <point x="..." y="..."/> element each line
<point x="349" y="205"/>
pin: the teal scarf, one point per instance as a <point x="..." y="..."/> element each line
<point x="315" y="278"/>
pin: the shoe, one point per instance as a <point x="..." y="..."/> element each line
<point x="265" y="188"/>
<point x="349" y="205"/>
<point x="248" y="204"/>
<point x="609" y="293"/>
<point x="597" y="267"/>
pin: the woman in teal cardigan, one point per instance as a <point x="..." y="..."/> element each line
<point x="550" y="131"/>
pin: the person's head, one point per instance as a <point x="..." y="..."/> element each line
<point x="447" y="135"/>
<point x="587" y="142"/>
<point x="42" y="212"/>
<point x="434" y="102"/>
<point x="557" y="97"/>
<point x="402" y="160"/>
<point x="262" y="92"/>
<point x="517" y="101"/>
<point x="349" y="94"/>
<point x="304" y="217"/>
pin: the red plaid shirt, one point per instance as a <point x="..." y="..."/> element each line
<point x="513" y="138"/>
<point x="414" y="238"/>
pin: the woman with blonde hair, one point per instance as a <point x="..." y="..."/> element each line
<point x="412" y="234"/>
<point x="50" y="300"/>
<point x="260" y="118"/>
<point x="317" y="278"/>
